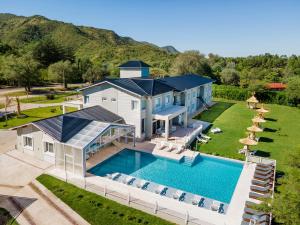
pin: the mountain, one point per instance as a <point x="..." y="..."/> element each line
<point x="99" y="45"/>
<point x="170" y="49"/>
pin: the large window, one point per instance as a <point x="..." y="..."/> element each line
<point x="48" y="148"/>
<point x="134" y="104"/>
<point x="143" y="104"/>
<point x="168" y="99"/>
<point x="143" y="126"/>
<point x="157" y="102"/>
<point x="27" y="142"/>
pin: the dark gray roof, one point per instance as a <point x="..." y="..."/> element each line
<point x="97" y="113"/>
<point x="63" y="127"/>
<point x="142" y="86"/>
<point x="134" y="64"/>
<point x="184" y="82"/>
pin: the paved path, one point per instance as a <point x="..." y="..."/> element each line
<point x="7" y="140"/>
<point x="26" y="199"/>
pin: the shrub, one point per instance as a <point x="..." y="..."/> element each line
<point x="50" y="96"/>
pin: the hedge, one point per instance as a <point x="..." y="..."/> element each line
<point x="240" y="94"/>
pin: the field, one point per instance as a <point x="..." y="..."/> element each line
<point x="96" y="209"/>
<point x="280" y="136"/>
<point x="33" y="115"/>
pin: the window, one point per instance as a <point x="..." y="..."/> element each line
<point x="104" y="99"/>
<point x="134" y="104"/>
<point x="194" y="94"/>
<point x="27" y="142"/>
<point x="143" y="126"/>
<point x="143" y="104"/>
<point x="113" y="99"/>
<point x="157" y="102"/>
<point x="86" y="99"/>
<point x="48" y="148"/>
<point x="168" y="99"/>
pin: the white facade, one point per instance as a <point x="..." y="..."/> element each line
<point x="134" y="72"/>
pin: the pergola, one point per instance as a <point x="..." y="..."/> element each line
<point x="72" y="155"/>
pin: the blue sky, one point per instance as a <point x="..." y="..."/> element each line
<point x="228" y="27"/>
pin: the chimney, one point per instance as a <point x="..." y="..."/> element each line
<point x="134" y="69"/>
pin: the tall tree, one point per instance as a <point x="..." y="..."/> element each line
<point x="293" y="90"/>
<point x="24" y="70"/>
<point x="61" y="72"/>
<point x="95" y="73"/>
<point x="191" y="62"/>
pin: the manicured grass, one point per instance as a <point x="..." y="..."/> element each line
<point x="214" y="112"/>
<point x="6" y="218"/>
<point x="280" y="137"/>
<point x="33" y="115"/>
<point x="58" y="98"/>
<point x="96" y="209"/>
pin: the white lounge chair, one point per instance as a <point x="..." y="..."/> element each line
<point x="170" y="147"/>
<point x="215" y="205"/>
<point x="205" y="136"/>
<point x="196" y="199"/>
<point x="129" y="180"/>
<point x="216" y="130"/>
<point x="163" y="145"/>
<point x="113" y="176"/>
<point x="260" y="189"/>
<point x="142" y="184"/>
<point x="257" y="195"/>
<point x="161" y="190"/>
<point x="178" y="149"/>
<point x="255" y="218"/>
<point x="178" y="194"/>
<point x="202" y="140"/>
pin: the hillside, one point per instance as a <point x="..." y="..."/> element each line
<point x="98" y="44"/>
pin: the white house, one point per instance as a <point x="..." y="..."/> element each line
<point x="151" y="105"/>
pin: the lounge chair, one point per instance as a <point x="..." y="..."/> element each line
<point x="264" y="173"/>
<point x="252" y="223"/>
<point x="261" y="183"/>
<point x="163" y="145"/>
<point x="253" y="211"/>
<point x="143" y="184"/>
<point x="255" y="218"/>
<point x="129" y="180"/>
<point x="205" y="136"/>
<point x="217" y="206"/>
<point x="263" y="177"/>
<point x="216" y="130"/>
<point x="265" y="164"/>
<point x="264" y="168"/>
<point x="177" y="194"/>
<point x="257" y="195"/>
<point x="178" y="149"/>
<point x="260" y="189"/>
<point x="161" y="190"/>
<point x="202" y="140"/>
<point x="113" y="176"/>
<point x="196" y="199"/>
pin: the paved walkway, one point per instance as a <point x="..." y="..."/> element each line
<point x="7" y="140"/>
<point x="26" y="199"/>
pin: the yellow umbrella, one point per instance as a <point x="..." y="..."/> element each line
<point x="262" y="110"/>
<point x="247" y="141"/>
<point x="254" y="129"/>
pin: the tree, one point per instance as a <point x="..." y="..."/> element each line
<point x="293" y="90"/>
<point x="191" y="62"/>
<point x="230" y="76"/>
<point x="95" y="73"/>
<point x="61" y="72"/>
<point x="24" y="70"/>
<point x="48" y="52"/>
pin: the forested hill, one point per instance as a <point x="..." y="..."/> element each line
<point x="96" y="44"/>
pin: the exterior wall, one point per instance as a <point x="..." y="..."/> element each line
<point x="117" y="101"/>
<point x="208" y="93"/>
<point x="38" y="139"/>
<point x="162" y="97"/>
<point x="191" y="100"/>
<point x="134" y="72"/>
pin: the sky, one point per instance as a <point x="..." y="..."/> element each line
<point x="224" y="27"/>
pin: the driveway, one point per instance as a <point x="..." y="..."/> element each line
<point x="7" y="140"/>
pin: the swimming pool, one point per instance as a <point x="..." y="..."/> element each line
<point x="210" y="177"/>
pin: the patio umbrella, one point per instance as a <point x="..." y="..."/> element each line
<point x="247" y="141"/>
<point x="257" y="120"/>
<point x="254" y="129"/>
<point x="262" y="110"/>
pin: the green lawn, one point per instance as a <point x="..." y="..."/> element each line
<point x="33" y="115"/>
<point x="280" y="137"/>
<point x="6" y="218"/>
<point x="96" y="209"/>
<point x="58" y="98"/>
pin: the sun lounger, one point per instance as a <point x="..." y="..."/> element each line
<point x="129" y="180"/>
<point x="260" y="189"/>
<point x="264" y="173"/>
<point x="264" y="168"/>
<point x="261" y="183"/>
<point x="253" y="211"/>
<point x="216" y="130"/>
<point x="196" y="199"/>
<point x="202" y="140"/>
<point x="178" y="149"/>
<point x="205" y="136"/>
<point x="265" y="164"/>
<point x="262" y="177"/>
<point x="161" y="190"/>
<point x="177" y="194"/>
<point x="142" y="184"/>
<point x="163" y="145"/>
<point x="257" y="195"/>
<point x="255" y="218"/>
<point x="217" y="206"/>
<point x="113" y="176"/>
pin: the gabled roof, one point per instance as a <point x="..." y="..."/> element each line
<point x="134" y="64"/>
<point x="142" y="86"/>
<point x="63" y="127"/>
<point x="184" y="82"/>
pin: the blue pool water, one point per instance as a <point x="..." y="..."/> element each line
<point x="210" y="177"/>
